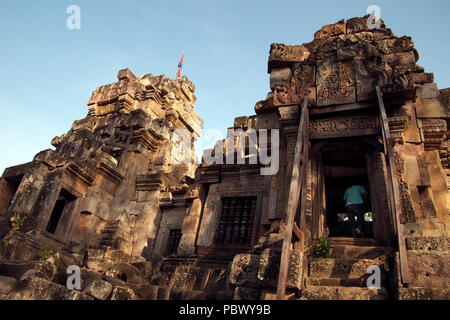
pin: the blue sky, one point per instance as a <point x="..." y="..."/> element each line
<point x="48" y="71"/>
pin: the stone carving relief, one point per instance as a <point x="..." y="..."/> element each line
<point x="335" y="82"/>
<point x="344" y="123"/>
<point x="301" y="83"/>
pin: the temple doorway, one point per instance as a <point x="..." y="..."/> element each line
<point x="345" y="165"/>
<point x="337" y="164"/>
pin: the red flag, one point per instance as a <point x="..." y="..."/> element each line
<point x="180" y="65"/>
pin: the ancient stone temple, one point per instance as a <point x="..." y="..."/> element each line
<point x="118" y="199"/>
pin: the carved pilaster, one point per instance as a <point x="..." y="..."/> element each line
<point x="396" y="126"/>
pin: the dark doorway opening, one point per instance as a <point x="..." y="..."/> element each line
<point x="174" y="241"/>
<point x="345" y="165"/>
<point x="62" y="202"/>
<point x="8" y="190"/>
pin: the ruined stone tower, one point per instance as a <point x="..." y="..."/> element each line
<point x="117" y="198"/>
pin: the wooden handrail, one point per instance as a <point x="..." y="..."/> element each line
<point x="297" y="187"/>
<point x="394" y="193"/>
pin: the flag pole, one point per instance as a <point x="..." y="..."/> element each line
<point x="180" y="65"/>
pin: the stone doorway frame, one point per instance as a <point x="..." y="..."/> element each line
<point x="377" y="175"/>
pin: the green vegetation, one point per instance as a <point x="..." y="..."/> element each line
<point x="45" y="253"/>
<point x="323" y="248"/>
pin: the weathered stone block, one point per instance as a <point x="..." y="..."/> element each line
<point x="429" y="269"/>
<point x="269" y="268"/>
<point x="331" y="30"/>
<point x="130" y="274"/>
<point x="417" y="293"/>
<point x="17" y="269"/>
<point x="427" y="243"/>
<point x="244" y="270"/>
<point x="98" y="288"/>
<point x="97" y="207"/>
<point x="422" y="77"/>
<point x="430" y="108"/>
<point x="35" y="288"/>
<point x="279" y="75"/>
<point x="7" y="284"/>
<point x="427" y="91"/>
<point x="121" y="293"/>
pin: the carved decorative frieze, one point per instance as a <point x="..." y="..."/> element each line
<point x="344" y="123"/>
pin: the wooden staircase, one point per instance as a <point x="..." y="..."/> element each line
<point x="294" y="223"/>
<point x="344" y="275"/>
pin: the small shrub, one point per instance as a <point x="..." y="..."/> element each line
<point x="323" y="248"/>
<point x="17" y="221"/>
<point x="45" y="253"/>
<point x="138" y="292"/>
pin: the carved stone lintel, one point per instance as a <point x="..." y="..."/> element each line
<point x="344" y="123"/>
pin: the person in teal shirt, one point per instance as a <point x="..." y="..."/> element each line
<point x="355" y="197"/>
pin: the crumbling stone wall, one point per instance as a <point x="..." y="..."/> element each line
<point x="124" y="171"/>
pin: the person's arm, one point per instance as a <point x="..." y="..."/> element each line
<point x="366" y="197"/>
